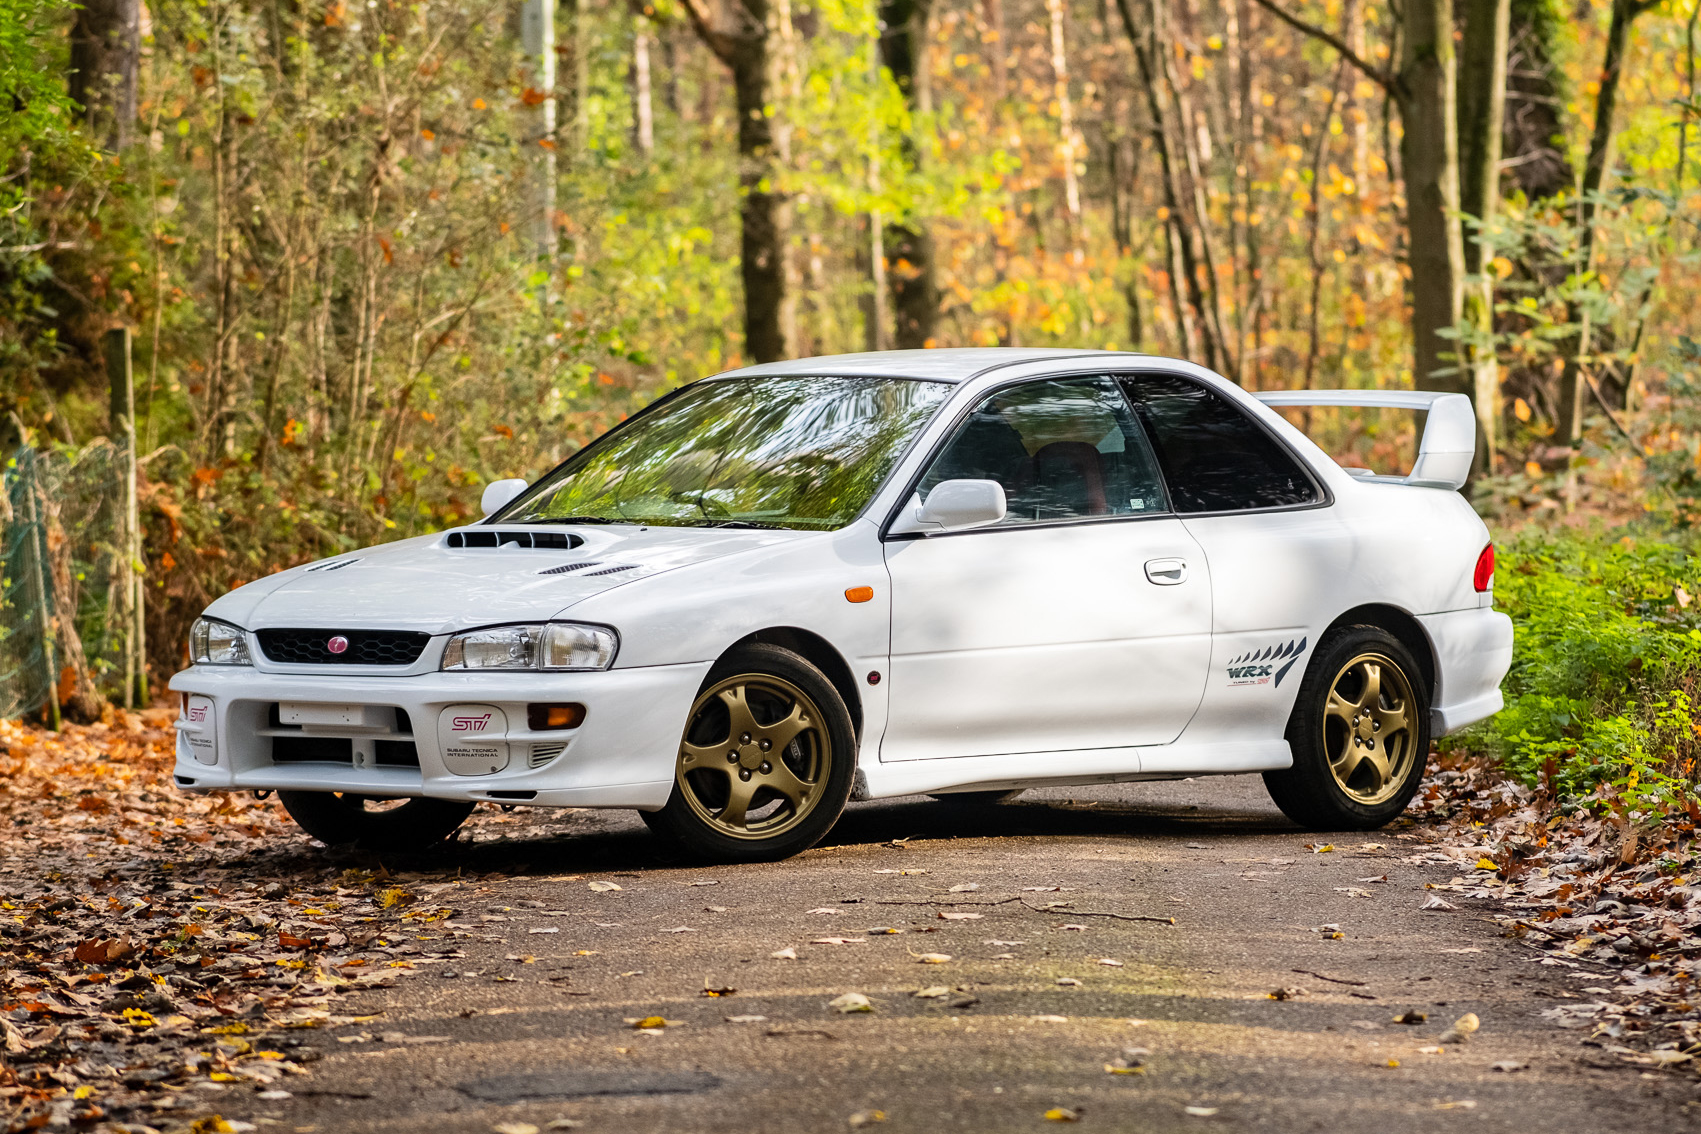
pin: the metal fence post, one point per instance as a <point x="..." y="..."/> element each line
<point x="44" y="599"/>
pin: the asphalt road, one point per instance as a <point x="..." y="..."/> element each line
<point x="1033" y="1012"/>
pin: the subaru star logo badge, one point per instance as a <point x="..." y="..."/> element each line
<point x="337" y="645"/>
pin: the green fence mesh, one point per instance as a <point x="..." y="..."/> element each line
<point x="60" y="555"/>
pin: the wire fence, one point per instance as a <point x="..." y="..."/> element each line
<point x="63" y="569"/>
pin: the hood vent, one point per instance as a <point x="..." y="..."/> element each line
<point x="566" y="567"/>
<point x="613" y="570"/>
<point x="334" y="565"/>
<point x="492" y="537"/>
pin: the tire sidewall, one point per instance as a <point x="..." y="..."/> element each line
<point x="681" y="825"/>
<point x="1305" y="726"/>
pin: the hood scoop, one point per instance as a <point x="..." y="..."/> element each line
<point x="566" y="567"/>
<point x="494" y="537"/>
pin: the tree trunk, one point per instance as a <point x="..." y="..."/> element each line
<point x="738" y="34"/>
<point x="106" y="45"/>
<point x="643" y="112"/>
<point x="1482" y="111"/>
<point x="1572" y="386"/>
<point x="1429" y="157"/>
<point x="909" y="246"/>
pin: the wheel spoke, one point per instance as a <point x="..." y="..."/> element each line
<point x="783" y="780"/>
<point x="738" y="801"/>
<point x="1341" y="709"/>
<point x="785" y="731"/>
<point x="1395" y="720"/>
<point x="1377" y="758"/>
<point x="741" y="719"/>
<point x="1348" y="763"/>
<point x="697" y="756"/>
<point x="1371" y="698"/>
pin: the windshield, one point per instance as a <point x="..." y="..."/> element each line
<point x="781" y="452"/>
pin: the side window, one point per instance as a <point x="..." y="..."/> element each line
<point x="1061" y="448"/>
<point x="1214" y="458"/>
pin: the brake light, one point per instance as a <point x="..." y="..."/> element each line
<point x="1483" y="577"/>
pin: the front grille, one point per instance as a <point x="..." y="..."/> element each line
<point x="340" y="750"/>
<point x="365" y="647"/>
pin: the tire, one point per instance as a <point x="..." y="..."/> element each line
<point x="337" y="819"/>
<point x="1358" y="751"/>
<point x="976" y="798"/>
<point x="765" y="763"/>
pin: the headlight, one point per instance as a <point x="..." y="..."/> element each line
<point x="212" y="642"/>
<point x="548" y="645"/>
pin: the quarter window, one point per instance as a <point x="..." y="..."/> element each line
<point x="1214" y="458"/>
<point x="1061" y="449"/>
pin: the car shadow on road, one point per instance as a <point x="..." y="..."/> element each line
<point x="538" y="842"/>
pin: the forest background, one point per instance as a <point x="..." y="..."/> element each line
<point x="360" y="257"/>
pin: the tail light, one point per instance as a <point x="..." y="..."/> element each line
<point x="1483" y="577"/>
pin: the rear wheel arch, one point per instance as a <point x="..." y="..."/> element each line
<point x="820" y="653"/>
<point x="1403" y="626"/>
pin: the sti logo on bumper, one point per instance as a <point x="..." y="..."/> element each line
<point x="469" y="724"/>
<point x="1267" y="666"/>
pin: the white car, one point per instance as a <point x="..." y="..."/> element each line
<point x="952" y="572"/>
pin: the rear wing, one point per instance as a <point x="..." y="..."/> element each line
<point x="1449" y="441"/>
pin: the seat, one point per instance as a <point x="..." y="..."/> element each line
<point x="1068" y="478"/>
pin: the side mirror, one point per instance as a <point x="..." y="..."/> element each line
<point x="498" y="493"/>
<point x="954" y="506"/>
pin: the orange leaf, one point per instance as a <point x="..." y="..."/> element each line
<point x="532" y="96"/>
<point x="289" y="941"/>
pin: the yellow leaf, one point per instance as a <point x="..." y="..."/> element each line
<point x="1520" y="409"/>
<point x="1532" y="470"/>
<point x="82" y="1092"/>
<point x="650" y="1022"/>
<point x="1486" y="863"/>
<point x="1062" y="1114"/>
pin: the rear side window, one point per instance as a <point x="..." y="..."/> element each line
<point x="1214" y="457"/>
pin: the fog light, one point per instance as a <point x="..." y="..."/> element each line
<point x="541" y="718"/>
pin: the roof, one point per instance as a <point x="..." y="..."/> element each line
<point x="955" y="364"/>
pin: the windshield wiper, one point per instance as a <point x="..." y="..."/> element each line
<point x="575" y="520"/>
<point x="744" y="524"/>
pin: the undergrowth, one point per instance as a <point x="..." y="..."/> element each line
<point x="1603" y="702"/>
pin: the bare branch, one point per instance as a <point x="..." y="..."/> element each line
<point x="1380" y="75"/>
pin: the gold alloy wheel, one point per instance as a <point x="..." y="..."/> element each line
<point x="1367" y="728"/>
<point x="756" y="756"/>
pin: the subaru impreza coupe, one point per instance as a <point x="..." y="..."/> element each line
<point x="959" y="573"/>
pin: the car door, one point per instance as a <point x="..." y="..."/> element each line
<point x="1081" y="621"/>
<point x="1280" y="560"/>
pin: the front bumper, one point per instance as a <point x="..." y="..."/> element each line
<point x="622" y="755"/>
<point x="1473" y="651"/>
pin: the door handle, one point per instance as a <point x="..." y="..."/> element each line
<point x="1166" y="572"/>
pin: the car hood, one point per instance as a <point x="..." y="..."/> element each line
<point x="425" y="584"/>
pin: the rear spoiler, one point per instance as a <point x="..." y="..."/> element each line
<point x="1449" y="441"/>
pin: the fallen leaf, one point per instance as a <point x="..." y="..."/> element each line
<point x="825" y="910"/>
<point x="866" y="1118"/>
<point x="1109" y="961"/>
<point x="747" y="1019"/>
<point x="1063" y="1114"/>
<point x="934" y="992"/>
<point x="851" y="1002"/>
<point x="1411" y="1016"/>
<point x="1461" y="1104"/>
<point x="965" y="888"/>
<point x="712" y="991"/>
<point x="1205" y="1111"/>
<point x="786" y="954"/>
<point x="1460" y="1029"/>
<point x="1508" y="1066"/>
<point x="604" y="887"/>
<point x="649" y="1023"/>
<point x="932" y="958"/>
<point x="1068" y="982"/>
<point x="1286" y="993"/>
<point x="515" y="1128"/>
<point x="563" y="1124"/>
<point x="836" y="941"/>
<point x="1315" y="848"/>
<point x="1437" y="902"/>
<point x="883" y="931"/>
<point x="946" y="915"/>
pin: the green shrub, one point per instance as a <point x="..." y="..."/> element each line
<point x="1605" y="670"/>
